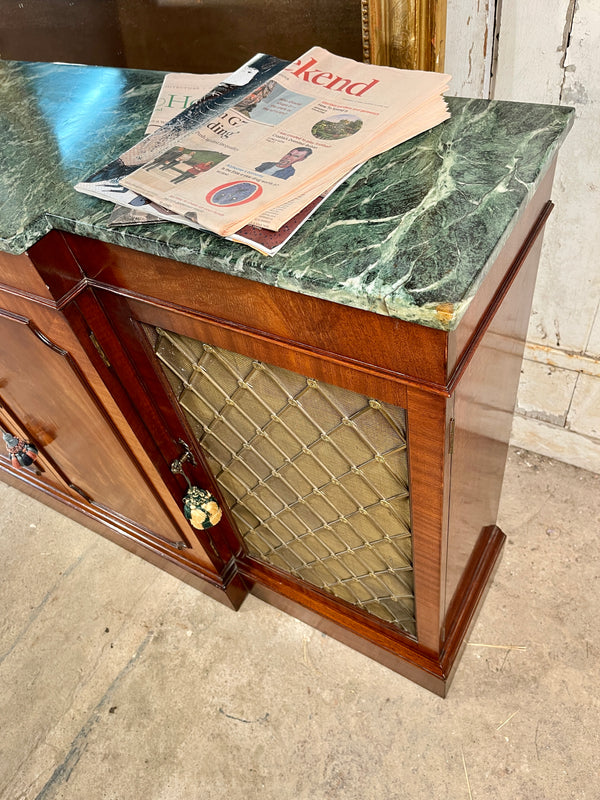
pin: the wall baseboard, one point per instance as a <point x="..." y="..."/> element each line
<point x="562" y="359"/>
<point x="555" y="442"/>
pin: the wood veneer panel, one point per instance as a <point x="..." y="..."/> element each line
<point x="57" y="266"/>
<point x="44" y="387"/>
<point x="144" y="399"/>
<point x="360" y="338"/>
<point x="483" y="411"/>
<point x="427" y="425"/>
<point x="18" y="276"/>
<point x="62" y="413"/>
<point x="44" y="316"/>
<point x="282" y="354"/>
<point x="44" y="470"/>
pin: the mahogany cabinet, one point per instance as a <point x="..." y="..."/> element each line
<point x="50" y="396"/>
<point x="347" y="403"/>
<point x="358" y="459"/>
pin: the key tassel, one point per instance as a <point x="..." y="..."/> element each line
<point x="201" y="508"/>
<point x="22" y="453"/>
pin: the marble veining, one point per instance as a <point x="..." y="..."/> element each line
<point x="414" y="229"/>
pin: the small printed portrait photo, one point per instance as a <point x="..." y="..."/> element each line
<point x="284" y="168"/>
<point x="271" y="103"/>
<point x="235" y="193"/>
<point x="337" y="127"/>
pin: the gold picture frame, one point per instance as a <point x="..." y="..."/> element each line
<point x="409" y="34"/>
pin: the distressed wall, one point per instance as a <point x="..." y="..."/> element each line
<point x="548" y="53"/>
<point x="469" y="46"/>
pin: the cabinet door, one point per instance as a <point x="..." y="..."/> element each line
<point x="120" y="352"/>
<point x="313" y="475"/>
<point x="46" y="395"/>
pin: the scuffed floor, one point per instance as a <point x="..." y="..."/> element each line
<point x="117" y="682"/>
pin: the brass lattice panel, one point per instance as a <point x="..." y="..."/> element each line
<point x="316" y="476"/>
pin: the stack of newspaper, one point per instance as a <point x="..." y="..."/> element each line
<point x="254" y="156"/>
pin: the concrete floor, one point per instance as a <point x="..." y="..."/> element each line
<point x="117" y="682"/>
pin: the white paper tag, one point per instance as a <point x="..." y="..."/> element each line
<point x="242" y="75"/>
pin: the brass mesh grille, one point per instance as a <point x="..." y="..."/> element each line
<point x="316" y="476"/>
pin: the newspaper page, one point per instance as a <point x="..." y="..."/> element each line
<point x="178" y="91"/>
<point x="104" y="183"/>
<point x="304" y="128"/>
<point x="273" y="217"/>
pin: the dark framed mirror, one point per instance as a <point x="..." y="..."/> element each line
<point x="219" y="35"/>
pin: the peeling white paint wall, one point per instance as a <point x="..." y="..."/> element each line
<point x="470" y="39"/>
<point x="549" y="52"/>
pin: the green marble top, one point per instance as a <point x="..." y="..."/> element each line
<point x="414" y="228"/>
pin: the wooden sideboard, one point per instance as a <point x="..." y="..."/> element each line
<point x="81" y="381"/>
<point x="348" y="402"/>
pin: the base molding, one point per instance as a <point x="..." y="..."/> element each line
<point x="378" y="640"/>
<point x="365" y="634"/>
<point x="471" y="590"/>
<point x="230" y="592"/>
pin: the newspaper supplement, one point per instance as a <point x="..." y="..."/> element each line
<point x="104" y="183"/>
<point x="178" y="91"/>
<point x="296" y="134"/>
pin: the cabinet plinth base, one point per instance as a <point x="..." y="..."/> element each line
<point x="230" y="592"/>
<point x="429" y="670"/>
<point x="396" y="652"/>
